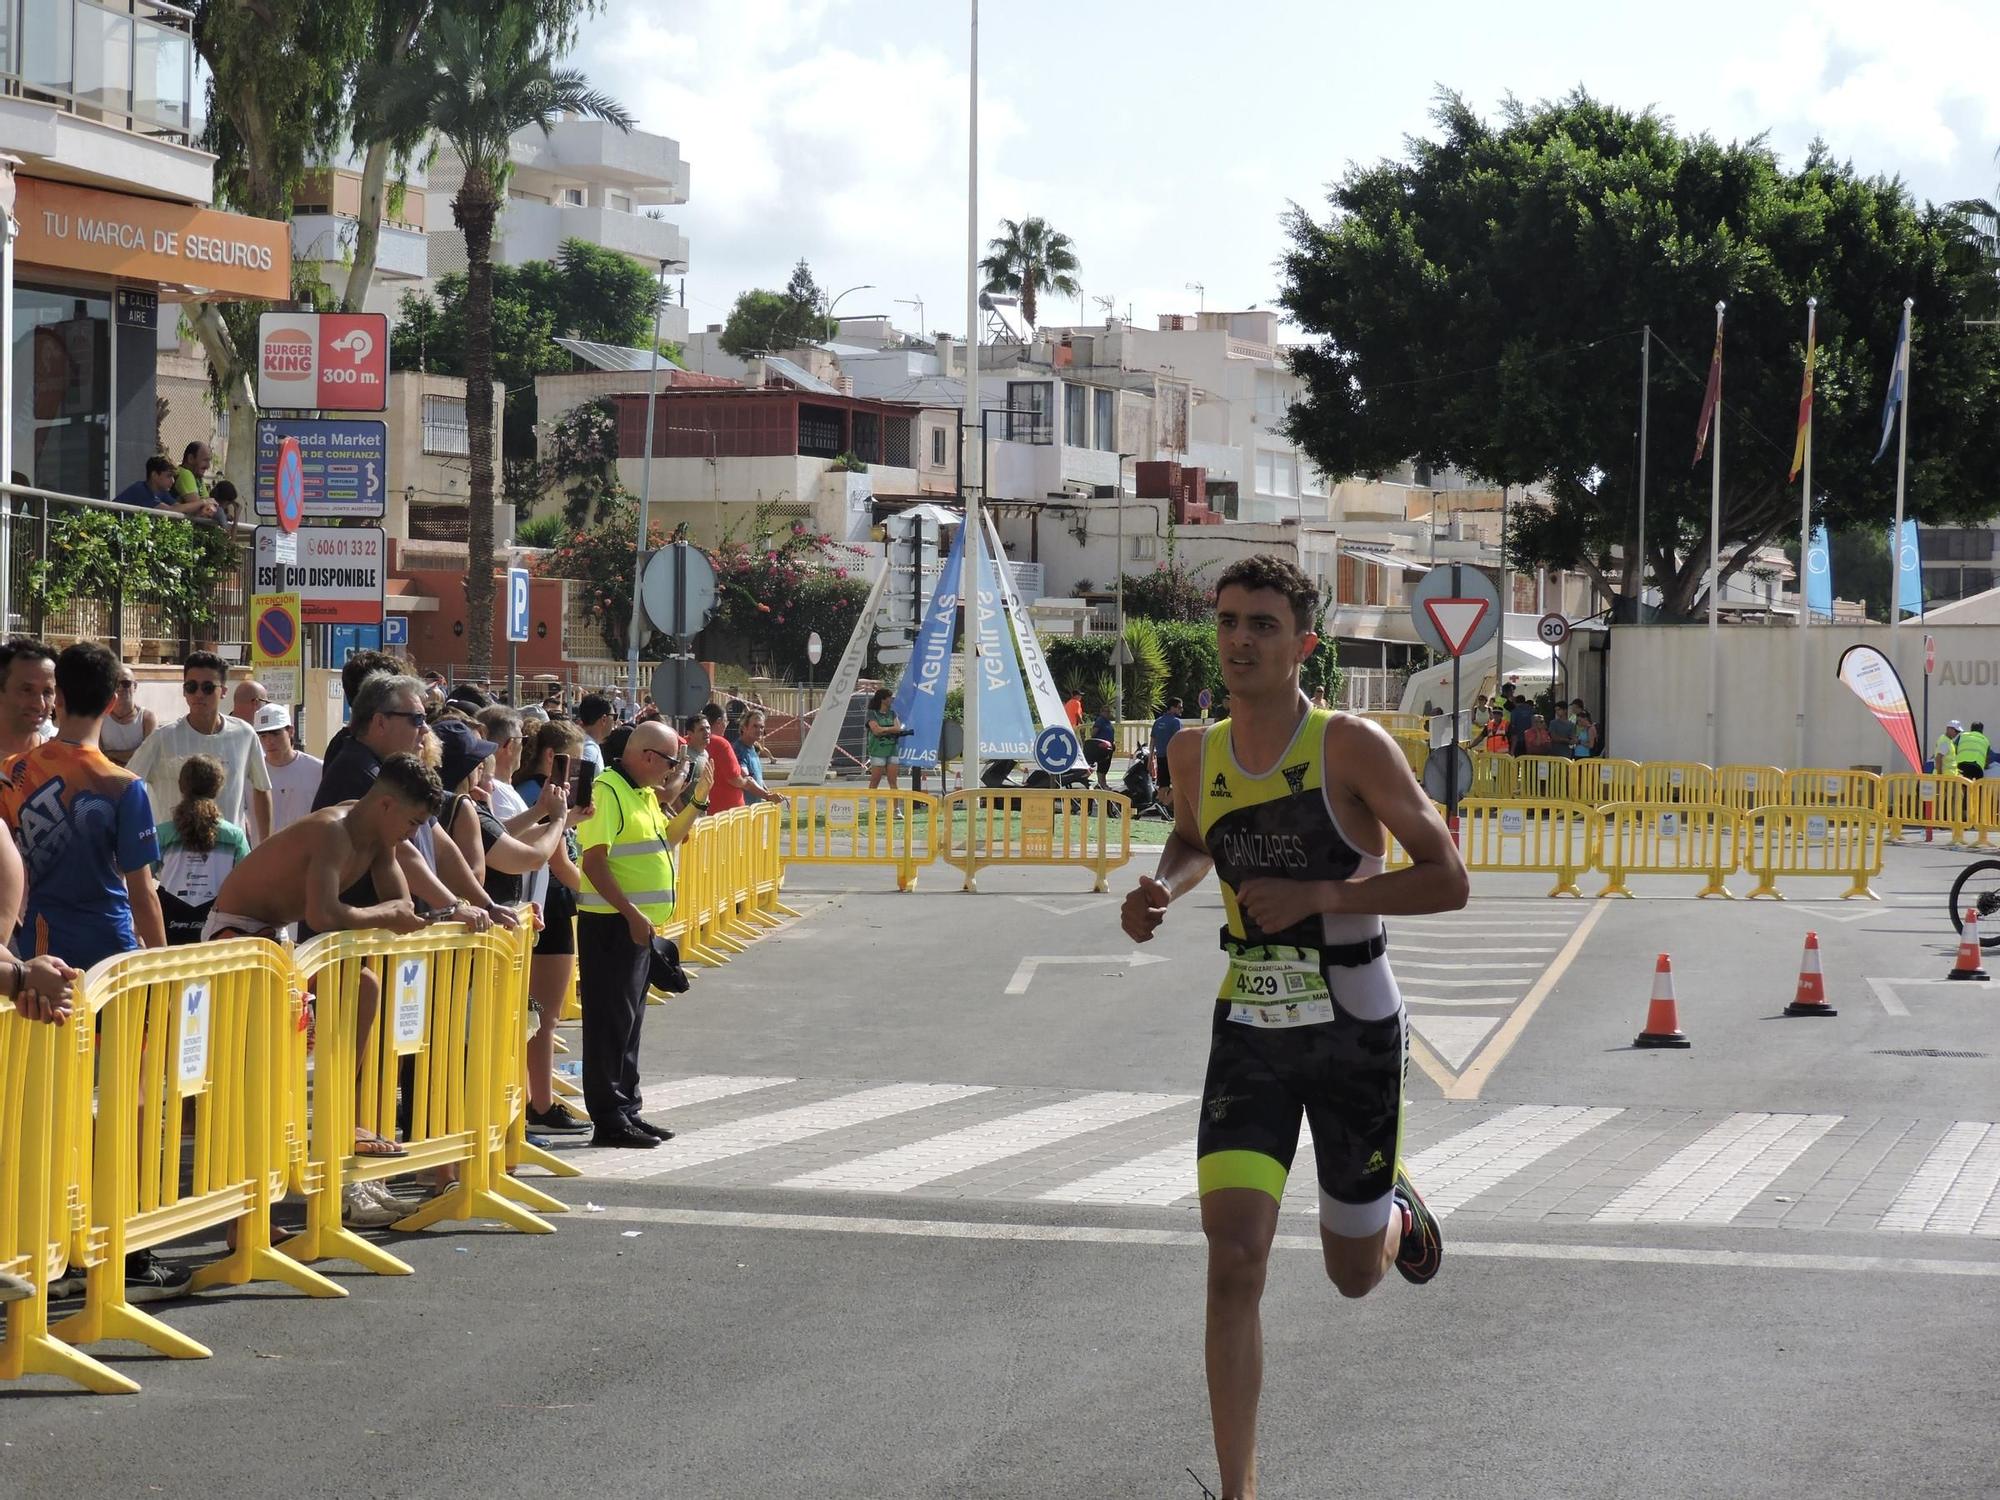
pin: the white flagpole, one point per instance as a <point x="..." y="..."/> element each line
<point x="1715" y="561"/>
<point x="1805" y="543"/>
<point x="1902" y="460"/>
<point x="971" y="434"/>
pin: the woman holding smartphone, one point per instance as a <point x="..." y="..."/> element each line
<point x="548" y="756"/>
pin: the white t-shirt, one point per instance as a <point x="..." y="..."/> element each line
<point x="234" y="743"/>
<point x="593" y="753"/>
<point x="293" y="787"/>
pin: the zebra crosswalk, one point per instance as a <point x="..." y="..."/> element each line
<point x="1603" y="1164"/>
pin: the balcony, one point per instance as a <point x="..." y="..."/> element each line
<point x="400" y="255"/>
<point x="649" y="164"/>
<point x="535" y="231"/>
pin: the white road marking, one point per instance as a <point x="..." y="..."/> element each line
<point x="1457" y="950"/>
<point x="1885" y="991"/>
<point x="1092" y="1234"/>
<point x="683" y="1093"/>
<point x="1070" y="909"/>
<point x="1024" y="973"/>
<point x="1162" y="1177"/>
<point x="905" y="1167"/>
<point x="1953" y="1191"/>
<point x="1712" y="1180"/>
<point x="1456" y="1170"/>
<point x="1431" y="979"/>
<point x="779" y="1128"/>
<point x="1453" y="1037"/>
<point x="1411" y="963"/>
<point x="1461" y="1000"/>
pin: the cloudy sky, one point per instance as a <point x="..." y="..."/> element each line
<point x="1166" y="137"/>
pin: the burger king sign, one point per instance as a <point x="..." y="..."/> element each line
<point x="323" y="361"/>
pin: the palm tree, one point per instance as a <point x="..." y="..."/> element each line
<point x="481" y="72"/>
<point x="1029" y="258"/>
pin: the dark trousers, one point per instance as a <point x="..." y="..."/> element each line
<point x="611" y="983"/>
<point x="1970" y="771"/>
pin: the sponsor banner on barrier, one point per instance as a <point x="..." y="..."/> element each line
<point x="412" y="993"/>
<point x="191" y="1071"/>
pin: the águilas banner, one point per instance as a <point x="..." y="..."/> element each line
<point x="1872" y="678"/>
<point x="919" y="701"/>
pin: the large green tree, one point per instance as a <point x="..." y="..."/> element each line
<point x="1479" y="304"/>
<point x="476" y="79"/>
<point x="1028" y="258"/>
<point x="765" y="322"/>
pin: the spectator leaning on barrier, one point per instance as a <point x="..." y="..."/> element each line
<point x="126" y="725"/>
<point x="27" y="696"/>
<point x="156" y="492"/>
<point x="554" y="895"/>
<point x="749" y="747"/>
<point x="1562" y="731"/>
<point x="198" y="849"/>
<point x="39" y="986"/>
<point x="85" y="828"/>
<point x="207" y="731"/>
<point x="294" y="774"/>
<point x="191" y="479"/>
<point x="496" y="855"/>
<point x="628" y="891"/>
<point x="1520" y="719"/>
<point x="729" y="780"/>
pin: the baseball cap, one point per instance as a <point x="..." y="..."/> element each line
<point x="1953" y="724"/>
<point x="463" y="749"/>
<point x="272" y="716"/>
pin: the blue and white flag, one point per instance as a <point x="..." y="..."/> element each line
<point x="1909" y="573"/>
<point x="919" y="701"/>
<point x="1819" y="576"/>
<point x="1899" y="385"/>
<point x="1006" y="728"/>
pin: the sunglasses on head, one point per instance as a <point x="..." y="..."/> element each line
<point x="204" y="688"/>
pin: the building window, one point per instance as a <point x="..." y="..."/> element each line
<point x="444" y="425"/>
<point x="820" y="431"/>
<point x="1277" y="473"/>
<point x="1104" y="427"/>
<point x="622" y="202"/>
<point x="937" y="447"/>
<point x="896" y="442"/>
<point x="1076" y="410"/>
<point x="1028" y="417"/>
<point x="63" y="411"/>
<point x="573" y="197"/>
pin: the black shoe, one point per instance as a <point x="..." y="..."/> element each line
<point x="647" y="1127"/>
<point x="150" y="1279"/>
<point x="623" y="1135"/>
<point x="557" y="1120"/>
<point x="1422" y="1250"/>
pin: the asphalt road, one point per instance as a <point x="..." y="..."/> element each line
<point x="924" y="1237"/>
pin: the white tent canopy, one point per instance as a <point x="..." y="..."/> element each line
<point x="1529" y="660"/>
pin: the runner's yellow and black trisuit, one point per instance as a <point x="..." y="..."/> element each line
<point x="1308" y="1021"/>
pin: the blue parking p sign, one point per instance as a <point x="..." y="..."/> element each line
<point x="395" y="630"/>
<point x="517" y="604"/>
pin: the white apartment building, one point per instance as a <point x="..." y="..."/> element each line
<point x="325" y="219"/>
<point x="584" y="180"/>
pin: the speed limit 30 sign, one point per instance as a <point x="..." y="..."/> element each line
<point x="1552" y="629"/>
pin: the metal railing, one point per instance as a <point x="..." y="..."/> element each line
<point x="31" y="525"/>
<point x="129" y="64"/>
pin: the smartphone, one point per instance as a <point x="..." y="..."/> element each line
<point x="586" y="777"/>
<point x="560" y="771"/>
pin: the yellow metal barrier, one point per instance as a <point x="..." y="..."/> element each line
<point x="1524" y="834"/>
<point x="510" y="1147"/>
<point x="193" y="1036"/>
<point x="1827" y="841"/>
<point x="1828" y="788"/>
<point x="45" y="1091"/>
<point x="1676" y="781"/>
<point x="1020" y="826"/>
<point x="1395" y="722"/>
<point x="1601" y="781"/>
<point x="1415" y="745"/>
<point x="1929" y="802"/>
<point x="1745" y="787"/>
<point x="1662" y="838"/>
<point x="448" y="998"/>
<point x="767" y="872"/>
<point x="1544" y="778"/>
<point x="821" y="825"/>
<point x="1491" y="774"/>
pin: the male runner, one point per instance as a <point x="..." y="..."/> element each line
<point x="1289" y="803"/>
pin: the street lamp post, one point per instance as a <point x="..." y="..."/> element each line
<point x="1118" y="584"/>
<point x="866" y="286"/>
<point x="645" y="487"/>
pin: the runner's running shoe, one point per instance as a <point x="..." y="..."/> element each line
<point x="1422" y="1250"/>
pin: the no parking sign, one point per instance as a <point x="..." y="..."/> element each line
<point x="274" y="644"/>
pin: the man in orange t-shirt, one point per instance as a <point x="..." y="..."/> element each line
<point x="727" y="792"/>
<point x="1073" y="706"/>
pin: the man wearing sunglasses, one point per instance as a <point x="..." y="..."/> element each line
<point x="206" y="730"/>
<point x="628" y="892"/>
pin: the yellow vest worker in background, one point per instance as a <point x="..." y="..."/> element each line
<point x="627" y="892"/>
<point x="1944" y="755"/>
<point x="1973" y="750"/>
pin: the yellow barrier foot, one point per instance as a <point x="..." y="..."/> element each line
<point x="526" y="1193"/>
<point x="782" y="910"/>
<point x="27" y="1352"/>
<point x="522" y="1154"/>
<point x="263" y="1263"/>
<point x="120" y="1320"/>
<point x="1617" y="888"/>
<point x="563" y="1086"/>
<point x="461" y="1203"/>
<point x="338" y="1242"/>
<point x="1860" y="892"/>
<point x="1561" y="890"/>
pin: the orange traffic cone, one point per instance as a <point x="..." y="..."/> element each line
<point x="1663" y="1024"/>
<point x="1967" y="966"/>
<point x="1811" y="997"/>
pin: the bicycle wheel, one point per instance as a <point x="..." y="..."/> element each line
<point x="1978" y="889"/>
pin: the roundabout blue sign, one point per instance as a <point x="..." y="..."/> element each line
<point x="1057" y="749"/>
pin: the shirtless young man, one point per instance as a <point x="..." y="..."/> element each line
<point x="1289" y="805"/>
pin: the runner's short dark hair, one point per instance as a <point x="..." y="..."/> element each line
<point x="1265" y="571"/>
<point x="87" y="679"/>
<point x="412" y="781"/>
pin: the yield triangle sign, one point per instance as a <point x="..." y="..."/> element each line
<point x="1455" y="619"/>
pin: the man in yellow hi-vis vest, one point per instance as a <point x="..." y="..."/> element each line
<point x="1974" y="750"/>
<point x="1944" y="754"/>
<point x="628" y="891"/>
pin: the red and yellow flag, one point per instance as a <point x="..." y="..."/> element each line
<point x="1805" y="408"/>
<point x="1713" y="397"/>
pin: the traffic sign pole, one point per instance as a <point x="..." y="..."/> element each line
<point x="1451" y="761"/>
